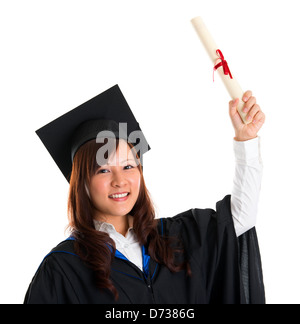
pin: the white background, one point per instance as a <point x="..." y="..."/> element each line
<point x="57" y="54"/>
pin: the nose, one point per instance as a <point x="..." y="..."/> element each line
<point x="118" y="179"/>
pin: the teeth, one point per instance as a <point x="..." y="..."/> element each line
<point x="119" y="196"/>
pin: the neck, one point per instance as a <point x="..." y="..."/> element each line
<point x="120" y="223"/>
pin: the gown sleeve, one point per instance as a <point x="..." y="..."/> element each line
<point x="50" y="285"/>
<point x="229" y="267"/>
<point x="238" y="273"/>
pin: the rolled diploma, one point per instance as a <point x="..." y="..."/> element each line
<point x="232" y="86"/>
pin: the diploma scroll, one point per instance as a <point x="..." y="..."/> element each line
<point x="220" y="64"/>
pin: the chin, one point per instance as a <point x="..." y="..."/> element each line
<point x="120" y="211"/>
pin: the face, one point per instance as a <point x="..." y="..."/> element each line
<point x="115" y="187"/>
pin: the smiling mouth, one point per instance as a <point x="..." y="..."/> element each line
<point x="119" y="196"/>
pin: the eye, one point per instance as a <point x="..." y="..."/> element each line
<point x="128" y="167"/>
<point x="102" y="171"/>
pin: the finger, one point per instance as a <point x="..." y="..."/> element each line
<point x="249" y="104"/>
<point x="253" y="111"/>
<point x="247" y="95"/>
<point x="259" y="119"/>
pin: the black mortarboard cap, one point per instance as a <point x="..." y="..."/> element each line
<point x="63" y="136"/>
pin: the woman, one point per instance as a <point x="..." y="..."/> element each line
<point x="118" y="252"/>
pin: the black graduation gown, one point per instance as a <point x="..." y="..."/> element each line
<point x="225" y="269"/>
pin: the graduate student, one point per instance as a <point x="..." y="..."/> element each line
<point x="118" y="251"/>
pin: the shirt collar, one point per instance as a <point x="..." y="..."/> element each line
<point x="109" y="228"/>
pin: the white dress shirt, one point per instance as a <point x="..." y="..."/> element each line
<point x="244" y="200"/>
<point x="127" y="245"/>
<point x="246" y="184"/>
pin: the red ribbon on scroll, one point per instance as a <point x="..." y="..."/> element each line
<point x="222" y="63"/>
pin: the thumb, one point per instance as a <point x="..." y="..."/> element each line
<point x="234" y="115"/>
<point x="233" y="107"/>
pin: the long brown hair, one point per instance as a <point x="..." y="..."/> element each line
<point x="96" y="248"/>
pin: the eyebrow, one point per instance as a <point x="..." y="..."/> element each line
<point x="121" y="162"/>
<point x="127" y="160"/>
